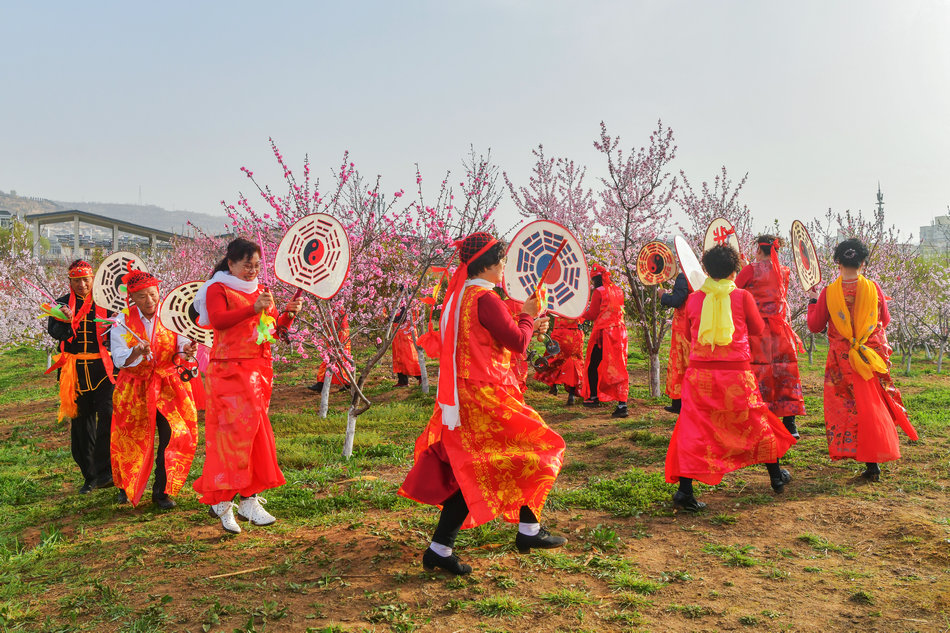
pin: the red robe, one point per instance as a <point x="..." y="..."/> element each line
<point x="405" y="357"/>
<point x="860" y="416"/>
<point x="343" y="331"/>
<point x="724" y="424"/>
<point x="775" y="351"/>
<point x="141" y="392"/>
<point x="610" y="333"/>
<point x="240" y="452"/>
<point x="679" y="337"/>
<point x="567" y="367"/>
<point x="502" y="455"/>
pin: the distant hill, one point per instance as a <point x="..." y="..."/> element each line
<point x="146" y="215"/>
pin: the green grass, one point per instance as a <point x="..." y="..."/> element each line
<point x="629" y="494"/>
<point x="732" y="555"/>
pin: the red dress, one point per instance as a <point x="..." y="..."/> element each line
<point x="610" y="333"/>
<point x="141" y="392"/>
<point x="405" y="357"/>
<point x="502" y="455"/>
<point x="775" y="351"/>
<point x="343" y="331"/>
<point x="567" y="366"/>
<point x="240" y="452"/>
<point x="724" y="424"/>
<point x="860" y="415"/>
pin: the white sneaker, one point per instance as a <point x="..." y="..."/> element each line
<point x="225" y="512"/>
<point x="251" y="510"/>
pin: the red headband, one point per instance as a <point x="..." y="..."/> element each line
<point x="80" y="269"/>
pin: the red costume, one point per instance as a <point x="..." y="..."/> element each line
<point x="142" y="393"/>
<point x="502" y="455"/>
<point x="606" y="360"/>
<point x="775" y="351"/>
<point x="343" y="331"/>
<point x="679" y="337"/>
<point x="405" y="356"/>
<point x="240" y="453"/>
<point x="860" y="415"/>
<point x="567" y="367"/>
<point x="724" y="424"/>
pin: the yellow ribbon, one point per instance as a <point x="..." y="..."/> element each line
<point x="715" y="321"/>
<point x="864" y="360"/>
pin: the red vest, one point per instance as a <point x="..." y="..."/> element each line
<point x="478" y="356"/>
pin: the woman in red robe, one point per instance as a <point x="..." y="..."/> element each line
<point x="863" y="408"/>
<point x="679" y="340"/>
<point x="567" y="366"/>
<point x="606" y="363"/>
<point x="775" y="351"/>
<point x="724" y="424"/>
<point x="240" y="453"/>
<point x="484" y="453"/>
<point x="405" y="356"/>
<point x="149" y="395"/>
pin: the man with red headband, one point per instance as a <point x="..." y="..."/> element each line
<point x="85" y="377"/>
<point x="150" y="395"/>
<point x="606" y="363"/>
<point x="774" y="351"/>
<point x="484" y="453"/>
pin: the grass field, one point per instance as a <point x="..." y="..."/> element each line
<point x="831" y="554"/>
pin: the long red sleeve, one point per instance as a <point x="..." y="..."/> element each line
<point x="494" y="317"/>
<point x="745" y="276"/>
<point x="753" y="320"/>
<point x="593" y="310"/>
<point x="818" y="314"/>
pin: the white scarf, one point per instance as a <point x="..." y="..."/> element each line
<point x="450" y="414"/>
<point x="220" y="277"/>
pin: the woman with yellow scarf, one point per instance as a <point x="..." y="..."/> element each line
<point x="724" y="424"/>
<point x="863" y="408"/>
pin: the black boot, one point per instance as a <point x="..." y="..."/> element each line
<point x="872" y="472"/>
<point x="402" y="380"/>
<point x="592" y="403"/>
<point x="620" y="411"/>
<point x="87" y="487"/>
<point x="778" y="483"/>
<point x="542" y="540"/>
<point x="451" y="564"/>
<point x="675" y="406"/>
<point x="571" y="391"/>
<point x="317" y="386"/>
<point x="553" y="390"/>
<point x="789" y="422"/>
<point x="121" y="498"/>
<point x="684" y="499"/>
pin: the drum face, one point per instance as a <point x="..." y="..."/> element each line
<point x="568" y="280"/>
<point x="106" y="290"/>
<point x="314" y="255"/>
<point x="655" y="264"/>
<point x="689" y="264"/>
<point x="807" y="264"/>
<point x="179" y="315"/>
<point x="720" y="231"/>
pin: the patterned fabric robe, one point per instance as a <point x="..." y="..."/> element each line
<point x="567" y="366"/>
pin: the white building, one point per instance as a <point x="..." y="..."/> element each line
<point x="935" y="239"/>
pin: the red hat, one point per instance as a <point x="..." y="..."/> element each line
<point x="136" y="280"/>
<point x="80" y="268"/>
<point x="598" y="269"/>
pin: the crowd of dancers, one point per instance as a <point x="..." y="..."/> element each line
<point x="732" y="379"/>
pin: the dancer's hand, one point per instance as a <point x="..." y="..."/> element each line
<point x="67" y="312"/>
<point x="532" y="307"/>
<point x="293" y="306"/>
<point x="541" y="325"/>
<point x="265" y="301"/>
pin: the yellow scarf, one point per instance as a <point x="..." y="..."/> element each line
<point x="864" y="360"/>
<point x="715" y="321"/>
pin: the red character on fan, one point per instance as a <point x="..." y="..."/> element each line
<point x="679" y="340"/>
<point x="775" y="351"/>
<point x="863" y="408"/>
<point x="484" y="453"/>
<point x="519" y="362"/>
<point x="149" y="396"/>
<point x="606" y="363"/>
<point x="240" y="453"/>
<point x="405" y="356"/>
<point x="724" y="424"/>
<point x="567" y="366"/>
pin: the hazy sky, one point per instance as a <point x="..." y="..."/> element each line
<point x="816" y="100"/>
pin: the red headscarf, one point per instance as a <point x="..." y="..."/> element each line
<point x="773" y="256"/>
<point x="470" y="249"/>
<point x="597" y="269"/>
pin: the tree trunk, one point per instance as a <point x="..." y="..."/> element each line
<point x="325" y="393"/>
<point x="943" y="345"/>
<point x="811" y="347"/>
<point x="908" y="355"/>
<point x="655" y="391"/>
<point x="423" y="371"/>
<point x="350" y="431"/>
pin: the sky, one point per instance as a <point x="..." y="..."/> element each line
<point x="817" y="100"/>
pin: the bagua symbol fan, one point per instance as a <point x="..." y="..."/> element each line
<point x="107" y="289"/>
<point x="314" y="256"/>
<point x="178" y="313"/>
<point x="805" y="256"/>
<point x="529" y="255"/>
<point x="720" y="231"/>
<point x="655" y="264"/>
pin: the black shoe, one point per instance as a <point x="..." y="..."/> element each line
<point x="683" y="501"/>
<point x="451" y="564"/>
<point x="792" y="428"/>
<point x="87" y="488"/>
<point x="778" y="483"/>
<point x="121" y="497"/>
<point x="104" y="483"/>
<point x="591" y="403"/>
<point x="542" y="540"/>
<point x="570" y="399"/>
<point x="672" y="409"/>
<point x="163" y="503"/>
<point x="620" y="411"/>
<point x="402" y="380"/>
<point x="553" y="390"/>
<point x="317" y="386"/>
<point x="870" y="473"/>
